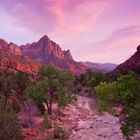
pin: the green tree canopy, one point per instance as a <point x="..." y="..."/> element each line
<point x="54" y="86"/>
<point x="125" y="92"/>
<point x="89" y="79"/>
<point x="12" y="83"/>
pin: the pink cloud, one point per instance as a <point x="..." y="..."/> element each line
<point x="47" y="15"/>
<point x="117" y="47"/>
<point x="86" y="27"/>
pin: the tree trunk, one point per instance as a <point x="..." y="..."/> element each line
<point x="49" y="107"/>
<point x="41" y="108"/>
<point x="50" y="111"/>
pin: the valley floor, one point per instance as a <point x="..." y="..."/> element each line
<point x="83" y="122"/>
<point x="94" y="126"/>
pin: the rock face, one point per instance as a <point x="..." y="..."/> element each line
<point x="11" y="59"/>
<point x="133" y="63"/>
<point x="46" y="51"/>
<point x="13" y="48"/>
<point x="3" y="45"/>
<point x="42" y="50"/>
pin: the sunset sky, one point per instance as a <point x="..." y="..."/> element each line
<point x="94" y="30"/>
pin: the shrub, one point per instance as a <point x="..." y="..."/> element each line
<point x="16" y="106"/>
<point x="28" y="112"/>
<point x="60" y="133"/>
<point x="9" y="126"/>
<point x="46" y="124"/>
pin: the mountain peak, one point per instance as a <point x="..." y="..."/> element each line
<point x="3" y="44"/>
<point x="47" y="51"/>
<point x="68" y="55"/>
<point x="44" y="51"/>
<point x="44" y="38"/>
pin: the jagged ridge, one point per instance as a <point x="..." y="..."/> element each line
<point x="44" y="51"/>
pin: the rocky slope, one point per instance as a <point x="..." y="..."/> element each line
<point x="101" y="67"/>
<point x="11" y="59"/>
<point x="133" y="63"/>
<point x="46" y="51"/>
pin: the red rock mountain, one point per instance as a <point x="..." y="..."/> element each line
<point x="46" y="51"/>
<point x="28" y="57"/>
<point x="11" y="59"/>
<point x="133" y="63"/>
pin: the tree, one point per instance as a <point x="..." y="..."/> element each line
<point x="96" y="79"/>
<point x="89" y="79"/>
<point x="9" y="126"/>
<point x="125" y="92"/>
<point x="22" y="81"/>
<point x="13" y="83"/>
<point x="7" y="84"/>
<point x="54" y="86"/>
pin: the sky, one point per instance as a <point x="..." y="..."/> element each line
<point x="94" y="30"/>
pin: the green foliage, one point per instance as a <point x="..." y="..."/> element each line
<point x="7" y="83"/>
<point x="16" y="106"/>
<point x="46" y="124"/>
<point x="60" y="133"/>
<point x="131" y="124"/>
<point x="54" y="86"/>
<point x="89" y="79"/>
<point x="9" y="126"/>
<point x="22" y="80"/>
<point x="37" y="91"/>
<point x="126" y="92"/>
<point x="96" y="79"/>
<point x="11" y="83"/>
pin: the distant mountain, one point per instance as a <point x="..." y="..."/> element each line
<point x="133" y="63"/>
<point x="46" y="51"/>
<point x="28" y="57"/>
<point x="101" y="67"/>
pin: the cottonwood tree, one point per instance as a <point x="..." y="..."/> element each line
<point x="125" y="92"/>
<point x="54" y="86"/>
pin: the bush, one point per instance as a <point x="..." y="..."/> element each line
<point x="46" y="124"/>
<point x="9" y="126"/>
<point x="16" y="106"/>
<point x="125" y="91"/>
<point x="60" y="133"/>
<point x="27" y="113"/>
